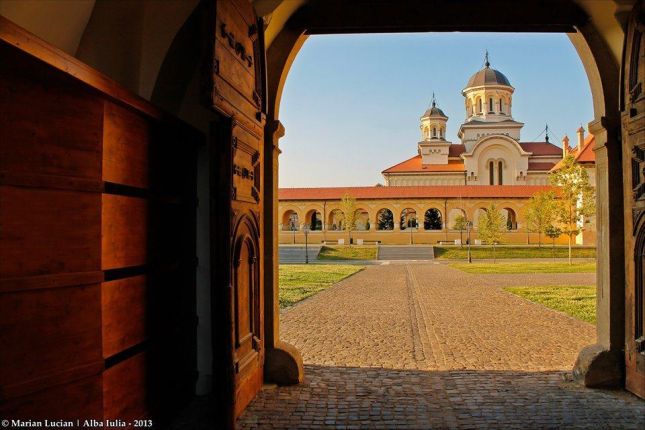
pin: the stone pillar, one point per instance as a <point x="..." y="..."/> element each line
<point x="283" y="362"/>
<point x="602" y="364"/>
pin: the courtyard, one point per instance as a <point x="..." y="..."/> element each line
<point x="416" y="346"/>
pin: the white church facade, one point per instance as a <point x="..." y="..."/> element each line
<point x="490" y="152"/>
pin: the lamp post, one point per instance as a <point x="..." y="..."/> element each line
<point x="305" y="230"/>
<point x="293" y="230"/>
<point x="469" y="226"/>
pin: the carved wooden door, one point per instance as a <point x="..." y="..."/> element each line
<point x="633" y="131"/>
<point x="237" y="81"/>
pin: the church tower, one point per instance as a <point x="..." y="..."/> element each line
<point x="433" y="147"/>
<point x="489" y="102"/>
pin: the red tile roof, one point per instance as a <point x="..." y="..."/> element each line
<point x="541" y="166"/>
<point x="456" y="149"/>
<point x="586" y="156"/>
<point x="430" y="191"/>
<point x="541" y="148"/>
<point x="414" y="165"/>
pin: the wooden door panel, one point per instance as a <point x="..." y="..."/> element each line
<point x="633" y="132"/>
<point x="125" y="228"/>
<point x="126" y="147"/>
<point x="238" y="94"/>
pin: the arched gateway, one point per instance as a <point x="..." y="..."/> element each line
<point x="89" y="206"/>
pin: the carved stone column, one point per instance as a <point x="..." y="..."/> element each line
<point x="602" y="364"/>
<point x="283" y="363"/>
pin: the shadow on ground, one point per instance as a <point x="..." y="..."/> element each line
<point x="374" y="398"/>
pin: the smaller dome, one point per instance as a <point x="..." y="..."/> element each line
<point x="434" y="110"/>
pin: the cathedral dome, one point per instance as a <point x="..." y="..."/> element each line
<point x="488" y="76"/>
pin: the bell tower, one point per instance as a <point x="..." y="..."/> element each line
<point x="433" y="147"/>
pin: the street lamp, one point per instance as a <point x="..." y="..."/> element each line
<point x="293" y="230"/>
<point x="305" y="230"/>
<point x="469" y="226"/>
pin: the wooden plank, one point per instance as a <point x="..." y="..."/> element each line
<point x="48" y="231"/>
<point x="124" y="314"/>
<point x="50" y="281"/>
<point x="126" y="147"/>
<point x="48" y="125"/>
<point x="43" y="332"/>
<point x="125" y="231"/>
<point x="16" y="36"/>
<point x="81" y="398"/>
<point x="124" y="389"/>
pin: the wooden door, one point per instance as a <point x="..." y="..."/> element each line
<point x="237" y="80"/>
<point x="633" y="131"/>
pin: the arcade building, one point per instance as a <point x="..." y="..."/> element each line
<point x="426" y="193"/>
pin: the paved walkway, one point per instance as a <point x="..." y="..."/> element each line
<point x="418" y="346"/>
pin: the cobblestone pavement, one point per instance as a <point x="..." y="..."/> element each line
<point x="417" y="346"/>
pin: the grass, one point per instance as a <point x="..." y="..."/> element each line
<point x="578" y="301"/>
<point x="354" y="252"/>
<point x="507" y="267"/>
<point x="480" y="252"/>
<point x="299" y="281"/>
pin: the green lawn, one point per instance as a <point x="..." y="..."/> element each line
<point x="578" y="301"/>
<point x="506" y="267"/>
<point x="299" y="281"/>
<point x="480" y="252"/>
<point x="345" y="252"/>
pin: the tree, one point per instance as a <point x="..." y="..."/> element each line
<point x="460" y="224"/>
<point x="576" y="202"/>
<point x="385" y="220"/>
<point x="553" y="232"/>
<point x="348" y="207"/>
<point x="540" y="213"/>
<point x="492" y="225"/>
<point x="432" y="220"/>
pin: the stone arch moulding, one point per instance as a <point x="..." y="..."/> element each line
<point x="599" y="58"/>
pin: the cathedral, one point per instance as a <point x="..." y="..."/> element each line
<point x="490" y="152"/>
<point x="426" y="193"/>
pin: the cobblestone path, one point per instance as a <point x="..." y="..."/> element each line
<point x="416" y="346"/>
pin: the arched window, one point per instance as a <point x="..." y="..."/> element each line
<point x="314" y="219"/>
<point x="434" y="132"/>
<point x="432" y="220"/>
<point x="500" y="173"/>
<point x="408" y="218"/>
<point x="490" y="105"/>
<point x="511" y="218"/>
<point x="384" y="220"/>
<point x="479" y="106"/>
<point x="290" y="221"/>
<point x="501" y="106"/>
<point x="491" y="173"/>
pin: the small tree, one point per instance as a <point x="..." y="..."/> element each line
<point x="553" y="232"/>
<point x="348" y="207"/>
<point x="492" y="224"/>
<point x="540" y="213"/>
<point x="385" y="220"/>
<point x="576" y="201"/>
<point x="460" y="224"/>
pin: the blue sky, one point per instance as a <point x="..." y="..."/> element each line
<point x="351" y="103"/>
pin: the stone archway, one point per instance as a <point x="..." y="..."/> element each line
<point x="601" y="66"/>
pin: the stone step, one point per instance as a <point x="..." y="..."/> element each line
<point x="296" y="254"/>
<point x="411" y="252"/>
